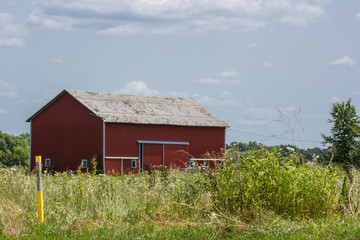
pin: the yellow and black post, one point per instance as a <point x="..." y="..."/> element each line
<point x="39" y="190"/>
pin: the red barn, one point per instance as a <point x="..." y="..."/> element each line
<point x="127" y="133"/>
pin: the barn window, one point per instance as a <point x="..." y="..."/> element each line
<point x="191" y="164"/>
<point x="84" y="163"/>
<point x="133" y="163"/>
<point x="47" y="162"/>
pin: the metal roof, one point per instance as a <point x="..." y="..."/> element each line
<point x="119" y="108"/>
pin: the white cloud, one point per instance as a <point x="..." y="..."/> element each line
<point x="7" y="90"/>
<point x="229" y="74"/>
<point x="211" y="101"/>
<point x="3" y="111"/>
<point x="137" y="88"/>
<point x="253" y="45"/>
<point x="53" y="22"/>
<point x="3" y="83"/>
<point x="11" y="33"/>
<point x="358" y="15"/>
<point x="225" y="94"/>
<point x="302" y="13"/>
<point x="217" y="81"/>
<point x="169" y="17"/>
<point x="251" y="122"/>
<point x="209" y="81"/>
<point x="267" y="64"/>
<point x="334" y="100"/>
<point x="343" y="61"/>
<point x="8" y="94"/>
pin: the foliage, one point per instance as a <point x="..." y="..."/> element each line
<point x="94" y="165"/>
<point x="256" y="194"/>
<point x="345" y="132"/>
<point x="263" y="181"/>
<point x="286" y="150"/>
<point x="14" y="150"/>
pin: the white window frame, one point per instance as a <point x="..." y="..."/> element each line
<point x="47" y="162"/>
<point x="192" y="164"/>
<point x="84" y="163"/>
<point x="132" y="163"/>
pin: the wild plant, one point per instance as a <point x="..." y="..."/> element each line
<point x="251" y="185"/>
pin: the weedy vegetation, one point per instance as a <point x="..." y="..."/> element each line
<point x="258" y="195"/>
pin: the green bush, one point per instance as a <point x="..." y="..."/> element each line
<point x="250" y="185"/>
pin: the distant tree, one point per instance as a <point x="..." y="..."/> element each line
<point x="14" y="150"/>
<point x="344" y="132"/>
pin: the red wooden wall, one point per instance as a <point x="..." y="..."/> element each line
<point x="66" y="133"/>
<point x="121" y="140"/>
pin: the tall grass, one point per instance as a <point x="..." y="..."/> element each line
<point x="254" y="184"/>
<point x="260" y="187"/>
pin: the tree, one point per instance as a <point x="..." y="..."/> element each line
<point x="344" y="132"/>
<point x="14" y="150"/>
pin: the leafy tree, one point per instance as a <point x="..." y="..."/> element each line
<point x="14" y="150"/>
<point x="344" y="132"/>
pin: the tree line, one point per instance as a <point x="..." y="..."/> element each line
<point x="14" y="150"/>
<point x="286" y="150"/>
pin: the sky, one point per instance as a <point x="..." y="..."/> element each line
<point x="271" y="69"/>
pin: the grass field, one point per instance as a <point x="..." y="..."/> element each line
<point x="259" y="195"/>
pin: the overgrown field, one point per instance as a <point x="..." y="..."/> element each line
<point x="254" y="196"/>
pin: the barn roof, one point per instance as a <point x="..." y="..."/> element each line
<point x="119" y="108"/>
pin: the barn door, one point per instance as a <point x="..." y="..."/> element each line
<point x="152" y="157"/>
<point x="159" y="155"/>
<point x="176" y="156"/>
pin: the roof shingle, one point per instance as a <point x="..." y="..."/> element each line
<point x="118" y="108"/>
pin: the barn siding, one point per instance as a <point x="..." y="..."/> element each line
<point x="66" y="132"/>
<point x="121" y="141"/>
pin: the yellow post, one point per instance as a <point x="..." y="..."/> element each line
<point x="39" y="190"/>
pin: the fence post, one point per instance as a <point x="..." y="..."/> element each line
<point x="39" y="190"/>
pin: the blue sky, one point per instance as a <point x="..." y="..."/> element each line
<point x="271" y="69"/>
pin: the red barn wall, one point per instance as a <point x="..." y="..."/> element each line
<point x="66" y="133"/>
<point x="121" y="141"/>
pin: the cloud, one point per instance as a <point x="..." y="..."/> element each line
<point x="217" y="81"/>
<point x="343" y="61"/>
<point x="209" y="81"/>
<point x="140" y="88"/>
<point x="251" y="122"/>
<point x="211" y="101"/>
<point x="11" y="34"/>
<point x="8" y="94"/>
<point x="302" y="13"/>
<point x="334" y="100"/>
<point x="253" y="45"/>
<point x="227" y="78"/>
<point x="267" y="64"/>
<point x="3" y="111"/>
<point x="7" y="90"/>
<point x="171" y="17"/>
<point x="137" y="88"/>
<point x="229" y="74"/>
<point x="358" y="15"/>
<point x="53" y="22"/>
